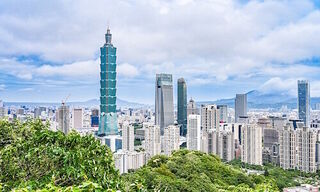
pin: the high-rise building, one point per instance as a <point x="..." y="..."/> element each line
<point x="128" y="160"/>
<point x="194" y="132"/>
<point x="182" y="106"/>
<point x="240" y="106"/>
<point x="304" y="101"/>
<point x="152" y="140"/>
<point x="298" y="148"/>
<point x="77" y="118"/>
<point x="210" y="117"/>
<point x="1" y="103"/>
<point x="287" y="144"/>
<point x="223" y="110"/>
<point x="3" y="112"/>
<point x="64" y="119"/>
<point x="164" y="112"/>
<point x="192" y="108"/>
<point x="108" y="115"/>
<point x="127" y="137"/>
<point x="221" y="143"/>
<point x="306" y="154"/>
<point x="251" y="152"/>
<point x="171" y="139"/>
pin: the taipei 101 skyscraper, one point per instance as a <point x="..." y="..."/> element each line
<point x="108" y="74"/>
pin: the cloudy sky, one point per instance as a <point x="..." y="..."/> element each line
<point x="49" y="49"/>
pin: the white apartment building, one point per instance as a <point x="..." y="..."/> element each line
<point x="128" y="160"/>
<point x="171" y="139"/>
<point x="287" y="145"/>
<point x="221" y="143"/>
<point x="127" y="137"/>
<point x="306" y="153"/>
<point x="194" y="132"/>
<point x="77" y="118"/>
<point x="251" y="152"/>
<point x="152" y="140"/>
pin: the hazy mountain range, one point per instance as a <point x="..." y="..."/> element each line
<point x="260" y="100"/>
<point x="90" y="103"/>
<point x="256" y="99"/>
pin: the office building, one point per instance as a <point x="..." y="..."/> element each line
<point x="304" y="101"/>
<point x="164" y="111"/>
<point x="251" y="152"/>
<point x="192" y="108"/>
<point x="64" y="119"/>
<point x="108" y="115"/>
<point x="77" y="118"/>
<point x="1" y="103"/>
<point x="114" y="142"/>
<point x="171" y="139"/>
<point x="194" y="132"/>
<point x="128" y="137"/>
<point x="152" y="140"/>
<point x="182" y="106"/>
<point x="240" y="106"/>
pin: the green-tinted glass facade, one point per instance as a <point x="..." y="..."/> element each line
<point x="182" y="106"/>
<point x="108" y="74"/>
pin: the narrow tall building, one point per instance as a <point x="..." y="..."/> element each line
<point x="63" y="119"/>
<point x="287" y="145"/>
<point x="240" y="106"/>
<point x="77" y="118"/>
<point x="304" y="101"/>
<point x="251" y="152"/>
<point x="223" y="110"/>
<point x="171" y="139"/>
<point x="152" y="140"/>
<point x="127" y="137"/>
<point x="108" y="115"/>
<point x="164" y="112"/>
<point x="192" y="108"/>
<point x="182" y="106"/>
<point x="306" y="145"/>
<point x="194" y="132"/>
<point x="210" y="118"/>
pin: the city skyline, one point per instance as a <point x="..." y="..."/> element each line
<point x="52" y="58"/>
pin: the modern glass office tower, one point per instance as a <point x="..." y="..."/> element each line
<point x="304" y="101"/>
<point x="182" y="106"/>
<point x="164" y="101"/>
<point x="240" y="106"/>
<point x="108" y="115"/>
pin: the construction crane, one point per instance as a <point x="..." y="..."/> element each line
<point x="63" y="102"/>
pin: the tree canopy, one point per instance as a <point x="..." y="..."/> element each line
<point x="34" y="157"/>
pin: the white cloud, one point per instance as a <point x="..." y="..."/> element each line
<point x="276" y="84"/>
<point x="207" y="42"/>
<point x="83" y="68"/>
<point x="2" y="87"/>
<point x="127" y="70"/>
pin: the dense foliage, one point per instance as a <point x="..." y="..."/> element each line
<point x="34" y="157"/>
<point x="283" y="178"/>
<point x="196" y="171"/>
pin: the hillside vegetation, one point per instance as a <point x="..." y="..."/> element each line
<point x="33" y="158"/>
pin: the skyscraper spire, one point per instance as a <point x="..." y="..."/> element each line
<point x="108" y="37"/>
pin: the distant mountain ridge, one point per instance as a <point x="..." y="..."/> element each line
<point x="90" y="103"/>
<point x="260" y="100"/>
